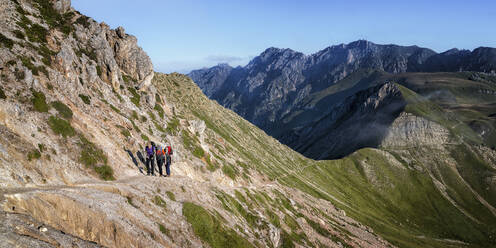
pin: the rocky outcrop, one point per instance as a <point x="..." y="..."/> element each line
<point x="409" y="130"/>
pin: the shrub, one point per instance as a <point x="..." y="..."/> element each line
<point x="19" y="34"/>
<point x="41" y="147"/>
<point x="39" y="101"/>
<point x="34" y="154"/>
<point x="28" y="64"/>
<point x="2" y="94"/>
<point x="37" y="33"/>
<point x="99" y="71"/>
<point x="171" y="195"/>
<point x="61" y="126"/>
<point x="136" y="98"/>
<point x="63" y="110"/>
<point x="144" y="137"/>
<point x="163" y="230"/>
<point x="83" y="20"/>
<point x="6" y="42"/>
<point x="85" y="98"/>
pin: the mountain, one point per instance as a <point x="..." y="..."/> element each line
<point x="78" y="100"/>
<point x="302" y="99"/>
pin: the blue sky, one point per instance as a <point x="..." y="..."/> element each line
<point x="180" y="35"/>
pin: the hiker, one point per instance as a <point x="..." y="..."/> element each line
<point x="168" y="154"/>
<point x="160" y="159"/>
<point x="154" y="148"/>
<point x="149" y="159"/>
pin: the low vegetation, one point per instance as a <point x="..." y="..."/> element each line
<point x="86" y="99"/>
<point x="210" y="229"/>
<point x="61" y="126"/>
<point x="39" y="101"/>
<point x="64" y="111"/>
<point x="136" y="98"/>
<point x="159" y="202"/>
<point x="93" y="157"/>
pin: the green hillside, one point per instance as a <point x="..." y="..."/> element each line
<point x="396" y="191"/>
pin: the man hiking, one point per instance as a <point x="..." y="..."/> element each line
<point x="168" y="154"/>
<point x="160" y="154"/>
<point x="150" y="164"/>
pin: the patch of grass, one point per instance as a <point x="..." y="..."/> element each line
<point x="91" y="155"/>
<point x="164" y="230"/>
<point x="41" y="147"/>
<point x="2" y="94"/>
<point x="130" y="201"/>
<point x="136" y="97"/>
<point x="134" y="115"/>
<point x="63" y="110"/>
<point x="125" y="133"/>
<point x="84" y="21"/>
<point x="286" y="240"/>
<point x="210" y="229"/>
<point x="319" y="229"/>
<point x="128" y="79"/>
<point x="105" y="172"/>
<point x="61" y="126"/>
<point x="159" y="201"/>
<point x="19" y="34"/>
<point x="118" y="111"/>
<point x="230" y="171"/>
<point x="144" y="137"/>
<point x="160" y="111"/>
<point x="173" y="126"/>
<point x="192" y="143"/>
<point x="34" y="154"/>
<point x="99" y="71"/>
<point x="291" y="223"/>
<point x="152" y="116"/>
<point x="37" y="33"/>
<point x="6" y="42"/>
<point x="28" y="64"/>
<point x="86" y="99"/>
<point x="171" y="195"/>
<point x="273" y="218"/>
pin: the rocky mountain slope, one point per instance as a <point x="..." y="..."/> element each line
<point x="296" y="97"/>
<point x="71" y="125"/>
<point x="78" y="100"/>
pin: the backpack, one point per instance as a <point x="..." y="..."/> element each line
<point x="169" y="150"/>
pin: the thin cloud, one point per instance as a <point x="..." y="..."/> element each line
<point x="223" y="58"/>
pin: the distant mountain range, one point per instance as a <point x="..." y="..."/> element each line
<point x="287" y="93"/>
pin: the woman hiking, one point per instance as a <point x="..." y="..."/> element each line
<point x="150" y="164"/>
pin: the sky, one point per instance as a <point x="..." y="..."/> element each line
<point x="181" y="35"/>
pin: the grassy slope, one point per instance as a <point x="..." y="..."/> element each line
<point x="401" y="204"/>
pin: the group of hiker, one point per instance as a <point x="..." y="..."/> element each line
<point x="161" y="154"/>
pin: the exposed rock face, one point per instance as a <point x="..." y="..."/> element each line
<point x="280" y="89"/>
<point x="412" y="131"/>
